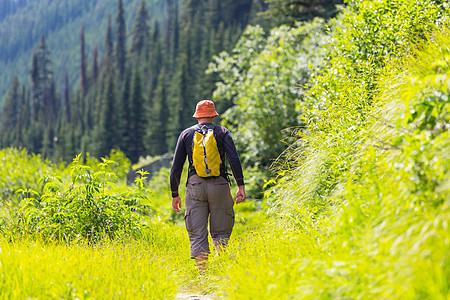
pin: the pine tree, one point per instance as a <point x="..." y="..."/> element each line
<point x="109" y="43"/>
<point x="137" y="128"/>
<point x="170" y="35"/>
<point x="23" y="119"/>
<point x="141" y="31"/>
<point x="44" y="102"/>
<point x="41" y="77"/>
<point x="66" y="103"/>
<point x="10" y="115"/>
<point x="105" y="135"/>
<point x="121" y="45"/>
<point x="95" y="65"/>
<point x="155" y="57"/>
<point x="213" y="16"/>
<point x="180" y="115"/>
<point x="289" y="11"/>
<point x="124" y="117"/>
<point x="83" y="64"/>
<point x="158" y="118"/>
<point x="176" y="33"/>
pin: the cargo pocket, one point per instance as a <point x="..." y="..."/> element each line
<point x="187" y="220"/>
<point x="229" y="217"/>
<point x="222" y="221"/>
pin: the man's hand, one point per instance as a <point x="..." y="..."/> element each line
<point x="240" y="195"/>
<point x="176" y="203"/>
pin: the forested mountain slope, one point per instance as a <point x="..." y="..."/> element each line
<point x="23" y="22"/>
<point x="137" y="95"/>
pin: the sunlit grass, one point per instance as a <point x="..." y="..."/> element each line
<point x="381" y="231"/>
<point x="146" y="269"/>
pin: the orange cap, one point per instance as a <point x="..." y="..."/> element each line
<point x="205" y="109"/>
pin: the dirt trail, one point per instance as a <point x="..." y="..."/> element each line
<point x="192" y="297"/>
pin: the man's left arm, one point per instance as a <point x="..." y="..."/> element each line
<point x="179" y="158"/>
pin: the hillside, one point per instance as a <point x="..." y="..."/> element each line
<point x="137" y="95"/>
<point x="60" y="21"/>
<point x="356" y="207"/>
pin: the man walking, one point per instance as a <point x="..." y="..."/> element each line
<point x="207" y="147"/>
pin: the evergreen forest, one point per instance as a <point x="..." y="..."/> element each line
<point x="122" y="95"/>
<point x="340" y="112"/>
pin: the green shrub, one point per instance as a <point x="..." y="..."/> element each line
<point x="342" y="101"/>
<point x="20" y="170"/>
<point x="86" y="209"/>
<point x="265" y="77"/>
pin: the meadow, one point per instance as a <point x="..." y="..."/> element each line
<point x="357" y="208"/>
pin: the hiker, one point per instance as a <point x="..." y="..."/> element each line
<point x="207" y="147"/>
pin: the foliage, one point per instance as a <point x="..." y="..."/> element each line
<point x="20" y="170"/>
<point x="342" y="96"/>
<point x="361" y="210"/>
<point x="88" y="208"/>
<point x="364" y="38"/>
<point x="290" y="11"/>
<point x="265" y="78"/>
<point x="383" y="231"/>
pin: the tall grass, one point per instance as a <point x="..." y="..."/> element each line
<point x="147" y="269"/>
<point x="382" y="232"/>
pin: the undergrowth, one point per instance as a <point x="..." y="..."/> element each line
<point x="382" y="233"/>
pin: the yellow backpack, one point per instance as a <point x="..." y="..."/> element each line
<point x="205" y="154"/>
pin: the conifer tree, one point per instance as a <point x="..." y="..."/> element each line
<point x="105" y="136"/>
<point x="182" y="107"/>
<point x="158" y="115"/>
<point x="289" y="11"/>
<point x="83" y="63"/>
<point x="141" y="31"/>
<point x="23" y="119"/>
<point x="95" y="65"/>
<point x="176" y="32"/>
<point x="137" y="128"/>
<point x="41" y="77"/>
<point x="121" y="45"/>
<point x="124" y="117"/>
<point x="109" y="43"/>
<point x="213" y="16"/>
<point x="66" y="105"/>
<point x="170" y="35"/>
<point x="155" y="57"/>
<point x="10" y="115"/>
<point x="44" y="106"/>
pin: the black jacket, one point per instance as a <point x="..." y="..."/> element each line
<point x="227" y="150"/>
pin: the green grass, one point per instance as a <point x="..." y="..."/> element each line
<point x="146" y="269"/>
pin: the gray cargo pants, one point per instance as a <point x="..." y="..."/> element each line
<point x="208" y="197"/>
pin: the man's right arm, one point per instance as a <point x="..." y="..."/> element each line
<point x="236" y="166"/>
<point x="233" y="158"/>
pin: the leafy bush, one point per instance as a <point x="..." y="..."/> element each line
<point x="88" y="208"/>
<point x="265" y="77"/>
<point x="341" y="104"/>
<point x="20" y="170"/>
